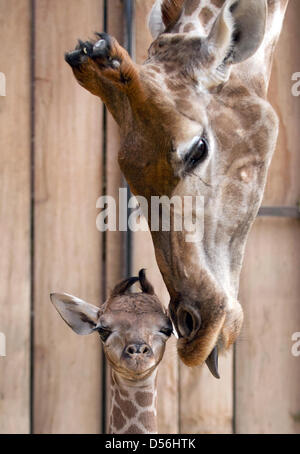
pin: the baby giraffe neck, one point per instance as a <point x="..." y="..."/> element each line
<point x="133" y="407"/>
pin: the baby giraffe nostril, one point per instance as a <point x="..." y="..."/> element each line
<point x="131" y="350"/>
<point x="137" y="349"/>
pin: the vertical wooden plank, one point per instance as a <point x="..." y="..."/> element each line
<point x="143" y="257"/>
<point x="267" y="374"/>
<point x="15" y="216"/>
<point x="283" y="182"/>
<point x="114" y="177"/>
<point x="114" y="259"/>
<point x="68" y="158"/>
<point x="206" y="404"/>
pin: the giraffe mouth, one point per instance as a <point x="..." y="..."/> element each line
<point x="138" y="366"/>
<point x="133" y="369"/>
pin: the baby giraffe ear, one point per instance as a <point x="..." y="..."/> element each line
<point x="79" y="315"/>
<point x="238" y="31"/>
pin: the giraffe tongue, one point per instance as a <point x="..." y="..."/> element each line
<point x="212" y="362"/>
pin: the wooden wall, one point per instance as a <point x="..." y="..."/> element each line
<point x="67" y="245"/>
<point x="15" y="136"/>
<point x="59" y="154"/>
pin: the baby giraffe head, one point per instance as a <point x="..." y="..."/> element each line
<point x="133" y="327"/>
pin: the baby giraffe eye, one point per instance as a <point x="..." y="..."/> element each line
<point x="196" y="155"/>
<point x="103" y="332"/>
<point x="167" y="331"/>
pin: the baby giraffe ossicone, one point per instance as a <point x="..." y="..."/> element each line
<point x="134" y="328"/>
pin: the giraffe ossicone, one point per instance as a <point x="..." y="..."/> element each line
<point x="134" y="328"/>
<point x="206" y="76"/>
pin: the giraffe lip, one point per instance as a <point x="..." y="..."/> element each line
<point x="138" y="366"/>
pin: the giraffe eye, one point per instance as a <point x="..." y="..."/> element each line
<point x="196" y="155"/>
<point x="104" y="333"/>
<point x="167" y="331"/>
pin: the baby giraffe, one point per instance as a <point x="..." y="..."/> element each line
<point x="134" y="329"/>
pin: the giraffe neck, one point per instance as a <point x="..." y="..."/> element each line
<point x="133" y="407"/>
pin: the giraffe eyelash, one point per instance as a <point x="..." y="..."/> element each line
<point x="196" y="155"/>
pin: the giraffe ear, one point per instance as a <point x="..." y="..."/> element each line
<point x="238" y="31"/>
<point x="78" y="315"/>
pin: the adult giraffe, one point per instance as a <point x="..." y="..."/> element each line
<point x="194" y="120"/>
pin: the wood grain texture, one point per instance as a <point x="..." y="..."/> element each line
<point x="115" y="241"/>
<point x="68" y="171"/>
<point x="114" y="179"/>
<point x="206" y="404"/>
<point x="283" y="182"/>
<point x="15" y="217"/>
<point x="267" y="374"/>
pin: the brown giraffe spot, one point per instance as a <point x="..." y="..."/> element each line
<point x="240" y="149"/>
<point x="251" y="114"/>
<point x="118" y="419"/>
<point x="262" y="138"/>
<point x="235" y="91"/>
<point x="188" y="27"/>
<point x="190" y="7"/>
<point x="223" y="126"/>
<point x="169" y="68"/>
<point x="133" y="430"/>
<point x="144" y="399"/>
<point x="171" y="11"/>
<point x="205" y="15"/>
<point x="218" y="3"/>
<point x="175" y="86"/>
<point x="148" y="419"/>
<point x="176" y="40"/>
<point x="127" y="407"/>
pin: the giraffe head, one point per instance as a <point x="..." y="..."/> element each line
<point x="133" y="327"/>
<point x="195" y="121"/>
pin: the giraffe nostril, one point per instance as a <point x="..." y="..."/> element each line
<point x="131" y="350"/>
<point x="137" y="349"/>
<point x="145" y="349"/>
